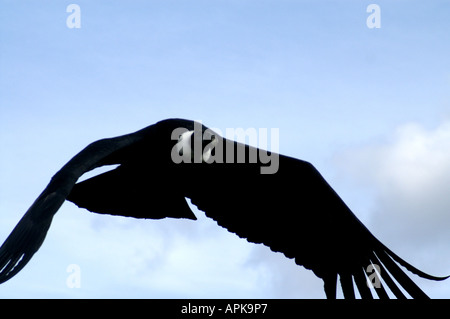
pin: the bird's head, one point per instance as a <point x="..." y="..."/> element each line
<point x="190" y="141"/>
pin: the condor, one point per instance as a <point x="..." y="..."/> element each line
<point x="293" y="211"/>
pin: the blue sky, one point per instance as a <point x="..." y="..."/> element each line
<point x="368" y="107"/>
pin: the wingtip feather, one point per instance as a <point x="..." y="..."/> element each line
<point x="20" y="246"/>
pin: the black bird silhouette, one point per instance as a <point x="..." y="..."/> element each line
<point x="291" y="209"/>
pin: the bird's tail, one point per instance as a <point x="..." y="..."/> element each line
<point x="382" y="272"/>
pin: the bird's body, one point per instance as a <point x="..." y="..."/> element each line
<point x="292" y="210"/>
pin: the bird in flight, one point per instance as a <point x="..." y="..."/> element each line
<point x="287" y="206"/>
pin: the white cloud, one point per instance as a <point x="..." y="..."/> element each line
<point x="409" y="175"/>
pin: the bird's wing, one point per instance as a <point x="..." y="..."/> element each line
<point x="296" y="212"/>
<point x="30" y="232"/>
<point x="133" y="190"/>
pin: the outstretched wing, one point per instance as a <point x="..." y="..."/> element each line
<point x="133" y="190"/>
<point x="30" y="232"/>
<point x="296" y="212"/>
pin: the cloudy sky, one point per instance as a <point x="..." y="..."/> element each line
<point x="369" y="107"/>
